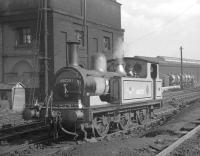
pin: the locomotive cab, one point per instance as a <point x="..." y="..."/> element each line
<point x="144" y="84"/>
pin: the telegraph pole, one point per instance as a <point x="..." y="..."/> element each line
<point x="181" y="50"/>
<point x="85" y="19"/>
<point x="85" y="23"/>
<point x="85" y="28"/>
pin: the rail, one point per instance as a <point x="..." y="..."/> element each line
<point x="21" y="129"/>
<point x="189" y="134"/>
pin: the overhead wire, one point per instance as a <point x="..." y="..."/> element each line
<point x="161" y="27"/>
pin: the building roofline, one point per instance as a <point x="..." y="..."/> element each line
<point x="177" y="60"/>
<point x="20" y="12"/>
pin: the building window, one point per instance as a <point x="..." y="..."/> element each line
<point x="3" y="95"/>
<point x="106" y="43"/>
<point x="95" y="44"/>
<point x="80" y="37"/>
<point x="24" y="36"/>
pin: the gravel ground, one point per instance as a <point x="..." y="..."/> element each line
<point x="9" y="117"/>
<point x="130" y="145"/>
<point x="191" y="147"/>
<point x="127" y="144"/>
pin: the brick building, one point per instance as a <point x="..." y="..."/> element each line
<point x="22" y="36"/>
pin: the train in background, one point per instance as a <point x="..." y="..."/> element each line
<point x="188" y="80"/>
<point x="170" y="72"/>
<point x="95" y="100"/>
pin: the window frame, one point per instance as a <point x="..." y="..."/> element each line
<point x="80" y="39"/>
<point x="24" y="37"/>
<point x="106" y="45"/>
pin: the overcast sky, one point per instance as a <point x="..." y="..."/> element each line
<point x="160" y="27"/>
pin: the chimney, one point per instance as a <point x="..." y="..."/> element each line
<point x="72" y="58"/>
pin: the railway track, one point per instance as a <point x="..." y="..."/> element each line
<point x="14" y="149"/>
<point x="9" y="133"/>
<point x="43" y="139"/>
<point x="161" y="118"/>
<point x="173" y="134"/>
<point x="22" y="137"/>
<point x="139" y="130"/>
<point x="179" y="92"/>
<point x="135" y="130"/>
<point x="181" y="96"/>
<point x="185" y="133"/>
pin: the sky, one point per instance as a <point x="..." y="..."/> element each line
<point x="160" y="27"/>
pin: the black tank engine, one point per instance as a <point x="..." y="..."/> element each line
<point x="93" y="99"/>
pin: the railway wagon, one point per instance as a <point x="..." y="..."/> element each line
<point x="97" y="99"/>
<point x="170" y="71"/>
<point x="171" y="67"/>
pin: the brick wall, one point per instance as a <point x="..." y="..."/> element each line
<point x="13" y="5"/>
<point x="106" y="12"/>
<point x="17" y="59"/>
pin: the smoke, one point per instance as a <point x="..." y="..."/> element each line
<point x="118" y="49"/>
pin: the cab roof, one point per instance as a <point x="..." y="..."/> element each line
<point x="145" y="59"/>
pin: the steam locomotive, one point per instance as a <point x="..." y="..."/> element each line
<point x="124" y="94"/>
